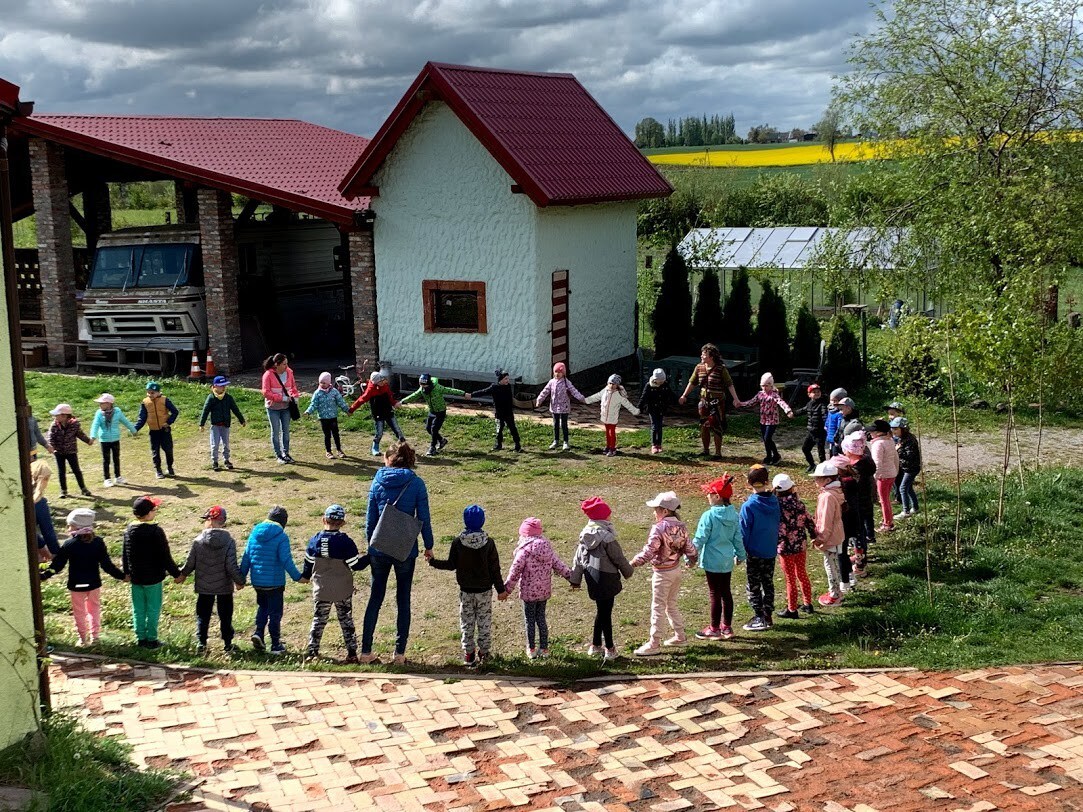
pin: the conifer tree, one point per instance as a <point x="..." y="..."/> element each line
<point x="707" y="319"/>
<point x="842" y="366"/>
<point x="773" y="334"/>
<point x="671" y="320"/>
<point x="737" y="314"/>
<point x="806" y="340"/>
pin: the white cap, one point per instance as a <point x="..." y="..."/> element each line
<point x="80" y="517"/>
<point x="666" y="499"/>
<point x="766" y="378"/>
<point x="378" y="375"/>
<point x="782" y="482"/>
<point x="61" y="408"/>
<point x="105" y="398"/>
<point x="658" y="377"/>
<point x="826" y="469"/>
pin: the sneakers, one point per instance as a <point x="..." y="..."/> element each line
<point x="229" y="465"/>
<point x="532" y="654"/>
<point x="228" y="647"/>
<point x="845" y="587"/>
<point x="257" y="642"/>
<point x="810" y="469"/>
<point x="398" y="659"/>
<point x="594" y="651"/>
<point x="442" y="443"/>
<point x="886" y="528"/>
<point x="286" y="457"/>
<point x="108" y="483"/>
<point x="201" y="648"/>
<point x="726" y="633"/>
<point x="375" y="450"/>
<point x="431" y="452"/>
<point x="827" y="599"/>
<point x="676" y="642"/>
<point x="757" y="624"/>
<point x="63" y="494"/>
<point x="365" y="659"/>
<point x="312" y="653"/>
<point x="566" y="447"/>
<point x="351" y="657"/>
<point x="789" y="614"/>
<point x="329" y="455"/>
<point x="553" y="445"/>
<point x="215" y="466"/>
<point x="656" y="449"/>
<point x="340" y="454"/>
<point x="171" y="472"/>
<point x="497" y="447"/>
<point x="282" y="461"/>
<point x="709" y="633"/>
<point x="152" y="644"/>
<point x="469" y="658"/>
<point x="120" y="481"/>
<point x="806" y="608"/>
<point x="278" y="649"/>
<point x="647" y="650"/>
<point x="86" y="492"/>
<point x="609" y="654"/>
<point x="543" y="653"/>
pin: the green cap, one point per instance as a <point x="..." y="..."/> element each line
<point x="154" y="386"/>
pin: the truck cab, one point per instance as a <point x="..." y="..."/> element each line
<point x="144" y="305"/>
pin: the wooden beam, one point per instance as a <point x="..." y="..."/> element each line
<point x="77" y="217"/>
<point x="248" y="210"/>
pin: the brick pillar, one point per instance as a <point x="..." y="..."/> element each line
<point x="97" y="211"/>
<point x="185" y="202"/>
<point x="55" y="260"/>
<point x="220" y="274"/>
<point x="363" y="296"/>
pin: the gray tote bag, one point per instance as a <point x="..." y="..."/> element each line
<point x="396" y="531"/>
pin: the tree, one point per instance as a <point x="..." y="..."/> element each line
<point x="671" y="320"/>
<point x="736" y="325"/>
<point x="772" y="335"/>
<point x="707" y="318"/>
<point x="829" y="130"/>
<point x="650" y="134"/>
<point x="842" y="364"/>
<point x="762" y="134"/>
<point x="806" y="340"/>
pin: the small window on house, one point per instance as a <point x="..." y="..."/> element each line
<point x="454" y="307"/>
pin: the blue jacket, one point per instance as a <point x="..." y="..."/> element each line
<point x="718" y="539"/>
<point x="831" y="425"/>
<point x="760" y="516"/>
<point x="267" y="554"/>
<point x="109" y="433"/>
<point x="386" y="487"/>
<point x="327" y="404"/>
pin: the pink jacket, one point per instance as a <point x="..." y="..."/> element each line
<point x="829" y="517"/>
<point x="274" y="395"/>
<point x="533" y="567"/>
<point x="886" y="457"/>
<point x="667" y="542"/>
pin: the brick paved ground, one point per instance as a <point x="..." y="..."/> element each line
<point x="1002" y="738"/>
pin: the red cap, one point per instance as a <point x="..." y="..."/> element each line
<point x="813" y="387"/>
<point x="723" y="486"/>
<point x="216" y="513"/>
<point x="596" y="508"/>
<point x="145" y="504"/>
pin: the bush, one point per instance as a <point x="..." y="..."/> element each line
<point x="806" y="340"/>
<point x="911" y="362"/>
<point x="772" y="334"/>
<point x="842" y="366"/>
<point x="736" y="325"/>
<point x="671" y="320"/>
<point x="708" y="315"/>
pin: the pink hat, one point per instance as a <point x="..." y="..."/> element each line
<point x="596" y="508"/>
<point x="559" y="367"/>
<point x="530" y="527"/>
<point x="854" y="444"/>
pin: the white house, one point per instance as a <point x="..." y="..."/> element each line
<point x="505" y="225"/>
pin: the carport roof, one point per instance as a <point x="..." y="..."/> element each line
<point x="283" y="162"/>
<point x="547" y="132"/>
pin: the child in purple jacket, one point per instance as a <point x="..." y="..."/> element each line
<point x="559" y="392"/>
<point x="532" y="568"/>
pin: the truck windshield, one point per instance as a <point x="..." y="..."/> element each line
<point x="141" y="266"/>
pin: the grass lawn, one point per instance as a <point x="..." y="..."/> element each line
<point x="1008" y="600"/>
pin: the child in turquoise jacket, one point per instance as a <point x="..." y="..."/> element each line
<point x="719" y="544"/>
<point x="327" y="402"/>
<point x="105" y="428"/>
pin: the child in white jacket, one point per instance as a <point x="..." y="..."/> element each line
<point x="613" y="397"/>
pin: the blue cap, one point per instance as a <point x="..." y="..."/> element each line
<point x="424" y="378"/>
<point x="154" y="386"/>
<point x="474" y="518"/>
<point x="220" y="380"/>
<point x="900" y="423"/>
<point x="336" y="513"/>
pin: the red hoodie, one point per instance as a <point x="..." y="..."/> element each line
<point x="378" y="396"/>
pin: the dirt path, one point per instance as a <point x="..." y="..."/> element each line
<point x="997" y="738"/>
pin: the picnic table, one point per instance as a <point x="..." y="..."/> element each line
<point x="679" y="368"/>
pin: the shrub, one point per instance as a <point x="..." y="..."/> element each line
<point x="806" y="340"/>
<point x="708" y="314"/>
<point x="772" y="334"/>
<point x="736" y="325"/>
<point x="671" y="320"/>
<point x="842" y="366"/>
<point x="911" y="362"/>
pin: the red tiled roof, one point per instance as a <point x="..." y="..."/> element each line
<point x="545" y="129"/>
<point x="283" y="162"/>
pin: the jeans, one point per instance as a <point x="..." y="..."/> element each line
<point x="534" y="617"/>
<point x="603" y="622"/>
<point x="269" y="607"/>
<point x="761" y="585"/>
<point x="110" y="451"/>
<point x="146" y="610"/>
<point x="656" y="430"/>
<point x="720" y="597"/>
<point x="219" y="438"/>
<point x="64" y="460"/>
<point x="432" y="427"/>
<point x="280" y="431"/>
<point x="330" y="432"/>
<point x="404" y="581"/>
<point x="204" y="604"/>
<point x="767" y="432"/>
<point x="161" y="440"/>
<point x="796" y="574"/>
<point x="907" y="492"/>
<point x="506" y="421"/>
<point x="392" y="424"/>
<point x="817" y="438"/>
<point x="45" y="526"/>
<point x="560" y="423"/>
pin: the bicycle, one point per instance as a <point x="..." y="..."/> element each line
<point x="347" y="385"/>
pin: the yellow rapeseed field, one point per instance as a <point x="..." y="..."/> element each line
<point x="796" y="155"/>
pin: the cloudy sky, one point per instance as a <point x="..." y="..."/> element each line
<point x="345" y="63"/>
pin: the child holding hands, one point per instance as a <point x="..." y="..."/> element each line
<point x="601" y="560"/>
<point x="105" y="428"/>
<point x="213" y="559"/>
<point x="327" y="402"/>
<point x="795" y="523"/>
<point x="612" y="398"/>
<point x="830" y="534"/>
<point x="532" y="569"/>
<point x="63" y="434"/>
<point x="667" y="542"/>
<point x="770" y="401"/>
<point x="718" y="542"/>
<point x="559" y="392"/>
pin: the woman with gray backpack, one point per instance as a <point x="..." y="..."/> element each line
<point x="398" y="511"/>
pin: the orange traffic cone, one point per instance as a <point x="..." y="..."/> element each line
<point x="196" y="372"/>
<point x="211" y="371"/>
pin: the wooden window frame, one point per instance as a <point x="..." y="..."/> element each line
<point x="430" y="286"/>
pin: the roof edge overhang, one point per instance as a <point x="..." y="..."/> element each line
<point x="339" y="215"/>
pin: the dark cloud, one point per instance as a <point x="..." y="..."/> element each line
<point x="345" y="63"/>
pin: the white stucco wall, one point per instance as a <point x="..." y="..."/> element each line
<point x="596" y="244"/>
<point x="446" y="211"/>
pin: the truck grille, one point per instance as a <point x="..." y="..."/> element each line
<point x="134" y="324"/>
